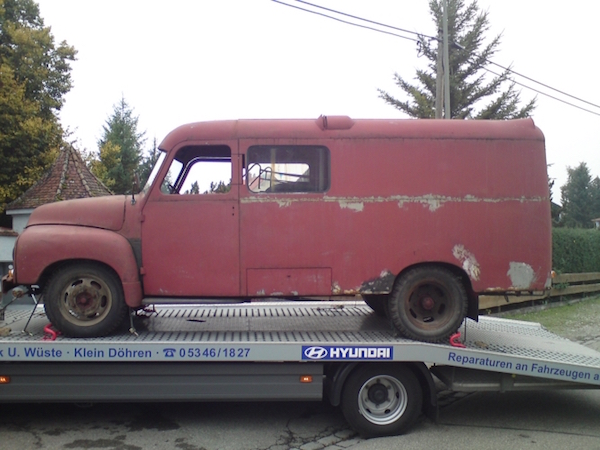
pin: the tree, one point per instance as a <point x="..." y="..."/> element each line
<point x="194" y="189"/>
<point x="555" y="209"/>
<point x="219" y="188"/>
<point x="35" y="75"/>
<point x="148" y="163"/>
<point x="577" y="198"/>
<point x="469" y="87"/>
<point x="119" y="150"/>
<point x="595" y="198"/>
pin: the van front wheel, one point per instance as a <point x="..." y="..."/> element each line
<point x="85" y="300"/>
<point x="428" y="304"/>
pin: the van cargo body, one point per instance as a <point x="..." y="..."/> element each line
<point x="417" y="216"/>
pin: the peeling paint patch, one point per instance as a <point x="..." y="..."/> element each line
<point x="261" y="292"/>
<point x="335" y="288"/>
<point x="431" y="201"/>
<point x="355" y="206"/>
<point x="352" y="291"/>
<point x="468" y="261"/>
<point x="383" y="283"/>
<point x="521" y="275"/>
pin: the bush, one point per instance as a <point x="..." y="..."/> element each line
<point x="575" y="250"/>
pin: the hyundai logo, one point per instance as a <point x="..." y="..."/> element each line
<point x="315" y="352"/>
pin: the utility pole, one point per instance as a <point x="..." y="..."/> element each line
<point x="442" y="80"/>
<point x="446" y="63"/>
<point x="439" y="82"/>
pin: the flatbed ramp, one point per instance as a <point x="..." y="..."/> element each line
<point x="301" y="332"/>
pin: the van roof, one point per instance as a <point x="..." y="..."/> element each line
<point x="343" y="127"/>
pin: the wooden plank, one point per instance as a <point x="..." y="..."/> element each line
<point x="494" y="301"/>
<point x="576" y="277"/>
<point x="575" y="289"/>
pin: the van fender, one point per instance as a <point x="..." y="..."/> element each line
<point x="42" y="247"/>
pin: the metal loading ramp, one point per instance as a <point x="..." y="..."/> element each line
<point x="307" y="332"/>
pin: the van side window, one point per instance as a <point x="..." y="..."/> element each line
<point x="199" y="170"/>
<point x="288" y="168"/>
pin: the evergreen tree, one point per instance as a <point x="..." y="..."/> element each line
<point x="119" y="150"/>
<point x="472" y="96"/>
<point x="148" y="163"/>
<point x="219" y="188"/>
<point x="35" y="75"/>
<point x="555" y="209"/>
<point x="194" y="189"/>
<point x="595" y="198"/>
<point x="577" y="198"/>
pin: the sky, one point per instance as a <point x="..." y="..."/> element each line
<point x="185" y="61"/>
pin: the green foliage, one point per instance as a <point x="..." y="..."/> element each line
<point x="468" y="82"/>
<point x="595" y="198"/>
<point x="147" y="165"/>
<point x="580" y="198"/>
<point x="119" y="150"/>
<point x="219" y="188"/>
<point x="575" y="250"/>
<point x="194" y="189"/>
<point x="34" y="77"/>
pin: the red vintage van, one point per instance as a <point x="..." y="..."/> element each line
<point x="418" y="217"/>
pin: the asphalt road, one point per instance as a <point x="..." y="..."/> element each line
<point x="548" y="420"/>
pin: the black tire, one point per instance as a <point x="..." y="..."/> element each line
<point x="428" y="304"/>
<point x="378" y="303"/>
<point x="85" y="300"/>
<point x="382" y="399"/>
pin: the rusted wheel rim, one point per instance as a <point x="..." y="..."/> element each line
<point x="86" y="300"/>
<point x="429" y="305"/>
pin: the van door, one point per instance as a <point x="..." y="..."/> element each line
<point x="287" y="248"/>
<point x="190" y="228"/>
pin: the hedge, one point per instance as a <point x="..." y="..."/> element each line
<point x="575" y="250"/>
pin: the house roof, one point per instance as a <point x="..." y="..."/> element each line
<point x="68" y="178"/>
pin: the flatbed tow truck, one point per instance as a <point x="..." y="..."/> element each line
<point x="284" y="351"/>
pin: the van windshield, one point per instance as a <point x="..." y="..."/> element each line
<point x="155" y="169"/>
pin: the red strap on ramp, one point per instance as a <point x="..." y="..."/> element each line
<point x="454" y="340"/>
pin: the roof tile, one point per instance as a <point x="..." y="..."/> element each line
<point x="68" y="178"/>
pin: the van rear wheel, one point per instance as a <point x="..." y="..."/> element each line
<point x="378" y="303"/>
<point x="85" y="300"/>
<point x="428" y="304"/>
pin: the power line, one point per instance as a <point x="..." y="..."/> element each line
<point x="543" y="93"/>
<point x="345" y="21"/>
<point x="542" y="84"/>
<point x="366" y="20"/>
<point x="420" y="35"/>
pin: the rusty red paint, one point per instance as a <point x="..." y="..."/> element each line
<point x="468" y="194"/>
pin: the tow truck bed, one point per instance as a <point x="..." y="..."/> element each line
<point x="274" y="351"/>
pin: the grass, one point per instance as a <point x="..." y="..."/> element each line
<point x="571" y="320"/>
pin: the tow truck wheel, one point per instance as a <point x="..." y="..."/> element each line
<point x="382" y="399"/>
<point x="428" y="304"/>
<point x="85" y="300"/>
